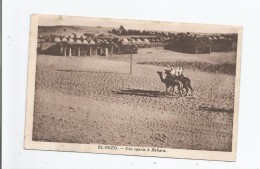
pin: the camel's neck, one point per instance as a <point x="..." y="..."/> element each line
<point x="161" y="77"/>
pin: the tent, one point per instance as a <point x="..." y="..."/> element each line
<point x="133" y="41"/>
<point x="221" y="37"/>
<point x="125" y="41"/>
<point x="78" y="41"/>
<point x="56" y="39"/>
<point x="138" y="41"/>
<point x="85" y="42"/>
<point x="71" y="40"/>
<point x="64" y="39"/>
<point x="91" y="42"/>
<point x="146" y="41"/>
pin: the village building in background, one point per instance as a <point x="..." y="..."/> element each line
<point x="122" y="41"/>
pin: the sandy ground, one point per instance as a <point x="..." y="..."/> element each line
<point x="95" y="100"/>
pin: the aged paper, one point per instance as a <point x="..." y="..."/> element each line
<point x="132" y="87"/>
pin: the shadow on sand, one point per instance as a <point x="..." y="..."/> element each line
<point x="213" y="109"/>
<point x="139" y="92"/>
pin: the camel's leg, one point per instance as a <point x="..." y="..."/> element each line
<point x="166" y="92"/>
<point x="180" y="92"/>
<point x="171" y="88"/>
<point x="181" y="87"/>
<point x="186" y="90"/>
<point x="189" y="85"/>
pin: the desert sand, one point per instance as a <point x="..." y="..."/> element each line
<point x="94" y="99"/>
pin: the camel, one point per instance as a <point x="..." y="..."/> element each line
<point x="184" y="80"/>
<point x="171" y="83"/>
<point x="186" y="84"/>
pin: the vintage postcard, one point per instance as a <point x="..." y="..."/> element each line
<point x="133" y="87"/>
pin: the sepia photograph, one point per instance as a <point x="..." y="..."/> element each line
<point x="133" y="87"/>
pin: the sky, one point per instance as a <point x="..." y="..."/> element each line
<point x="54" y="20"/>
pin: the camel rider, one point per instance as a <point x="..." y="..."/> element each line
<point x="180" y="71"/>
<point x="172" y="71"/>
<point x="177" y="71"/>
<point x="180" y="74"/>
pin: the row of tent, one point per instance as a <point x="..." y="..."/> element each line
<point x="209" y="40"/>
<point x="185" y="43"/>
<point x="123" y="41"/>
<point x="90" y="40"/>
<point x="79" y="49"/>
<point x="138" y="40"/>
